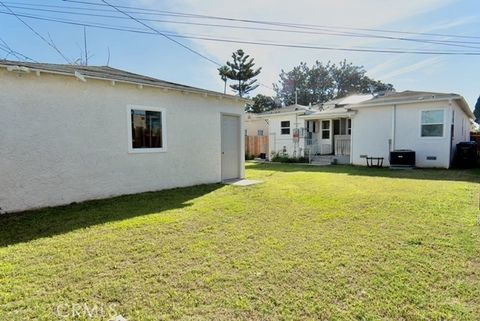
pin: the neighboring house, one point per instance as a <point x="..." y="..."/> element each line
<point x="72" y="133"/>
<point x="284" y="130"/>
<point x="359" y="126"/>
<point x="255" y="126"/>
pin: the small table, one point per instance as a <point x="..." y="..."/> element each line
<point x="374" y="161"/>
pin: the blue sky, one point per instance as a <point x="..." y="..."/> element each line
<point x="158" y="57"/>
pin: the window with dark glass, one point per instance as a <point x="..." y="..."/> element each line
<point x="325" y="129"/>
<point x="146" y="129"/>
<point x="432" y="123"/>
<point x="285" y="127"/>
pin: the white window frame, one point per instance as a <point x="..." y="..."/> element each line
<point x="132" y="150"/>
<point x="330" y="125"/>
<point x="289" y="127"/>
<point x="260" y="132"/>
<point x="443" y="124"/>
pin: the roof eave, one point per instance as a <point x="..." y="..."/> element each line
<point x="172" y="87"/>
<point x="462" y="103"/>
<point x="465" y="107"/>
<point x="281" y="114"/>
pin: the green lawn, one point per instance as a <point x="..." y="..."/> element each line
<point x="324" y="243"/>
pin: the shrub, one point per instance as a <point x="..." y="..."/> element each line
<point x="280" y="158"/>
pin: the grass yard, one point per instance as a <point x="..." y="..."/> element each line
<point x="324" y="243"/>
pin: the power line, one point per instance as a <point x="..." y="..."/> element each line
<point x="287" y="45"/>
<point x="453" y="43"/>
<point x="163" y="12"/>
<point x="162" y="34"/>
<point x="168" y="37"/>
<point x="5" y="47"/>
<point x="319" y="31"/>
<point x="35" y="32"/>
<point x="15" y="53"/>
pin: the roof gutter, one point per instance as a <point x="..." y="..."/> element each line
<point x="83" y="78"/>
<point x="297" y="112"/>
<point x="463" y="104"/>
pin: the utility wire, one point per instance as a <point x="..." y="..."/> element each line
<point x="152" y="11"/>
<point x="453" y="43"/>
<point x="17" y="54"/>
<point x="36" y="32"/>
<point x="285" y="45"/>
<point x="5" y="47"/>
<point x="162" y="34"/>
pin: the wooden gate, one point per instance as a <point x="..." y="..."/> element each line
<point x="256" y="145"/>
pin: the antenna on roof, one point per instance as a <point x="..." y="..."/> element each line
<point x="85" y="44"/>
<point x="108" y="59"/>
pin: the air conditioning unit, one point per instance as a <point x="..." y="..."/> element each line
<point x="402" y="158"/>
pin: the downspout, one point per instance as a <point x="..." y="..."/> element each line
<point x="351" y="140"/>
<point x="394" y="125"/>
<point x="296" y="146"/>
<point x="452" y="123"/>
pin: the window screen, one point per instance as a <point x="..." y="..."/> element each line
<point x="432" y="123"/>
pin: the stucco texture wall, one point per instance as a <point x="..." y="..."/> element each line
<point x="253" y="125"/>
<point x="278" y="142"/>
<point x="373" y="129"/>
<point x="63" y="140"/>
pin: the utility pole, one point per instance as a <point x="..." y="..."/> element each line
<point x="85" y="44"/>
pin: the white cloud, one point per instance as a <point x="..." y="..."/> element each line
<point x="350" y="13"/>
<point x="425" y="63"/>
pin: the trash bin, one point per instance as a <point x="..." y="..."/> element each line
<point x="466" y="155"/>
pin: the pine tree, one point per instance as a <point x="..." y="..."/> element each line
<point x="223" y="72"/>
<point x="476" y="111"/>
<point x="241" y="70"/>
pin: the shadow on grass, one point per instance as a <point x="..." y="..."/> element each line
<point x="462" y="175"/>
<point x="30" y="225"/>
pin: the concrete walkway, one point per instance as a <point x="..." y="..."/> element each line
<point x="241" y="182"/>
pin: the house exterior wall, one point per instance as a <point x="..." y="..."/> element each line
<point x="63" y="140"/>
<point x="407" y="135"/>
<point x="373" y="133"/>
<point x="254" y="124"/>
<point x="461" y="128"/>
<point x="279" y="142"/>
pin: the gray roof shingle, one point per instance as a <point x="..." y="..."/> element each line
<point x="107" y="73"/>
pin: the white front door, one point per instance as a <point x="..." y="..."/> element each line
<point x="326" y="137"/>
<point x="230" y="147"/>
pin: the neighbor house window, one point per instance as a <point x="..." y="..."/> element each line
<point x="349" y="126"/>
<point x="147" y="129"/>
<point x="260" y="132"/>
<point x="325" y="129"/>
<point x="432" y="122"/>
<point x="285" y="127"/>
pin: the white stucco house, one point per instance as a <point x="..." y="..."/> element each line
<point x="350" y="129"/>
<point x="73" y="133"/>
<point x="255" y="126"/>
<point x="286" y="129"/>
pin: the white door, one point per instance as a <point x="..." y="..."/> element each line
<point x="230" y="147"/>
<point x="326" y="137"/>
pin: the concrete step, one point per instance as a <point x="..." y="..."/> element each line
<point x="321" y="163"/>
